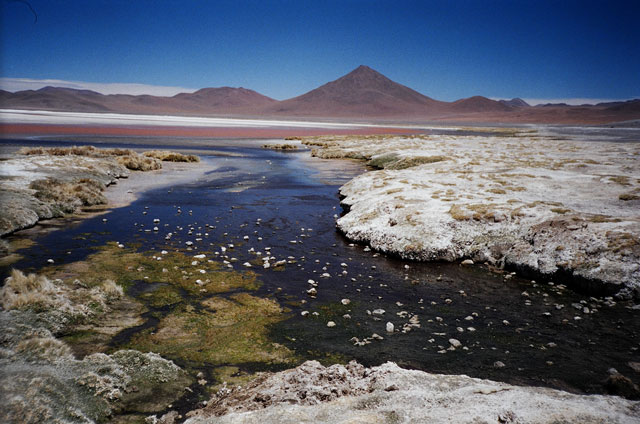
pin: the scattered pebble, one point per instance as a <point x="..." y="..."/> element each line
<point x="455" y="343"/>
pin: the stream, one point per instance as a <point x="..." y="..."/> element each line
<point x="284" y="205"/>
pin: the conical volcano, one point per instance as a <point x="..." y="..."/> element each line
<point x="362" y="92"/>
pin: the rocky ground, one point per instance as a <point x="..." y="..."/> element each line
<point x="555" y="208"/>
<point x="312" y="393"/>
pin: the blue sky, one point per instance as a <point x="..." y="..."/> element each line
<point x="444" y="49"/>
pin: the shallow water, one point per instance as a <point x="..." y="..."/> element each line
<point x="291" y="202"/>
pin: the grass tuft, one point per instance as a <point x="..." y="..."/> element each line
<point x="168" y="156"/>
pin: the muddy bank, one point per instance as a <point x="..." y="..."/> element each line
<point x="387" y="393"/>
<point x="552" y="208"/>
<point x="38" y="183"/>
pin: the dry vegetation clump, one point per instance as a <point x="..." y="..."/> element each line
<point x="458" y="213"/>
<point x="319" y="143"/>
<point x="336" y="153"/>
<point x="169" y="156"/>
<point x="139" y="163"/>
<point x="482" y="212"/>
<point x="125" y="157"/>
<point x="61" y="302"/>
<point x="409" y="162"/>
<point x="382" y="161"/>
<point x="280" y="146"/>
<point x="622" y="241"/>
<point x="112" y="290"/>
<point x="69" y="195"/>
<point x="38" y="348"/>
<point x="31" y="290"/>
<point x="89" y="151"/>
<point x="628" y="196"/>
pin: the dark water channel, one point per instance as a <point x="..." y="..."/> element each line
<point x="510" y="329"/>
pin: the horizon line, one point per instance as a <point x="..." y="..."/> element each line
<point x="108" y="88"/>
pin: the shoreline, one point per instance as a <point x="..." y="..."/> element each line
<point x="522" y="202"/>
<point x="127" y="190"/>
<point x="121" y="189"/>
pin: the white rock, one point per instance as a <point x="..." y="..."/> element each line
<point x="390" y="327"/>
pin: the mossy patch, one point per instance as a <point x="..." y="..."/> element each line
<point x="221" y="330"/>
<point x="126" y="265"/>
<point x="162" y="296"/>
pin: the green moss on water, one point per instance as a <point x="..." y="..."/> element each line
<point x="221" y="330"/>
<point x="126" y="265"/>
<point x="80" y="336"/>
<point x="333" y="311"/>
<point x="162" y="296"/>
<point x="206" y="316"/>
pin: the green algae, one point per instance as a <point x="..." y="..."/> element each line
<point x="203" y="314"/>
<point x="231" y="330"/>
<point x="126" y="265"/>
<point x="162" y="296"/>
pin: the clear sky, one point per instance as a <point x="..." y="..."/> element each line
<point x="444" y="49"/>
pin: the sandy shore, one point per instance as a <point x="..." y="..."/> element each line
<point x="127" y="190"/>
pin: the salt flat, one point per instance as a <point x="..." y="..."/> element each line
<point x="15" y="116"/>
<point x="558" y="207"/>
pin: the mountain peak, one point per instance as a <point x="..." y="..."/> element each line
<point x="361" y="92"/>
<point x="364" y="68"/>
<point x="515" y="102"/>
<point x="364" y="73"/>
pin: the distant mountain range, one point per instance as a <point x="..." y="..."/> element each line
<point x="362" y="94"/>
